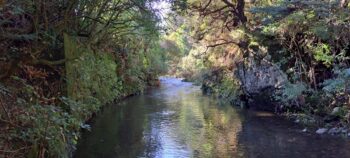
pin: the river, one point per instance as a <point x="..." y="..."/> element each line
<point x="176" y="120"/>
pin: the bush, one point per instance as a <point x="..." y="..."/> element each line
<point x="290" y="95"/>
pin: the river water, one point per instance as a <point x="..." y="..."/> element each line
<point x="177" y="121"/>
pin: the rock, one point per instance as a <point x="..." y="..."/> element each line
<point x="260" y="80"/>
<point x="334" y="131"/>
<point x="256" y="76"/>
<point x="335" y="111"/>
<point x="304" y="130"/>
<point x="321" y="130"/>
<point x="297" y="121"/>
<point x="344" y="131"/>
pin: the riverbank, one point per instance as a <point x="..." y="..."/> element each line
<point x="42" y="113"/>
<point x="48" y="127"/>
<point x="312" y="109"/>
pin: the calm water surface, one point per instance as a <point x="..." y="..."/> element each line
<point x="177" y="121"/>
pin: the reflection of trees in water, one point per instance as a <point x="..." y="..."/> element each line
<point x="117" y="132"/>
<point x="130" y="132"/>
<point x="183" y="123"/>
<point x="210" y="130"/>
<point x="152" y="138"/>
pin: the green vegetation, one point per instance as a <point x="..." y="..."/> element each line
<point x="62" y="60"/>
<point x="297" y="51"/>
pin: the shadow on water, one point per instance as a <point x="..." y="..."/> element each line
<point x="177" y="121"/>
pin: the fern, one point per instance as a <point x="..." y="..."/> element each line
<point x="290" y="92"/>
<point x="338" y="84"/>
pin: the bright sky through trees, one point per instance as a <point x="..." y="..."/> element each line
<point x="163" y="8"/>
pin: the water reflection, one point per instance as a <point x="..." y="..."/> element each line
<point x="176" y="120"/>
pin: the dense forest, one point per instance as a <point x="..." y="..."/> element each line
<point x="290" y="57"/>
<point x="62" y="60"/>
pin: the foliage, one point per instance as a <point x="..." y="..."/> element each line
<point x="307" y="39"/>
<point x="290" y="94"/>
<point x="338" y="84"/>
<point x="229" y="89"/>
<point x="91" y="74"/>
<point x="63" y="60"/>
<point x="322" y="53"/>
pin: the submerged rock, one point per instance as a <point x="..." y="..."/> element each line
<point x="321" y="130"/>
